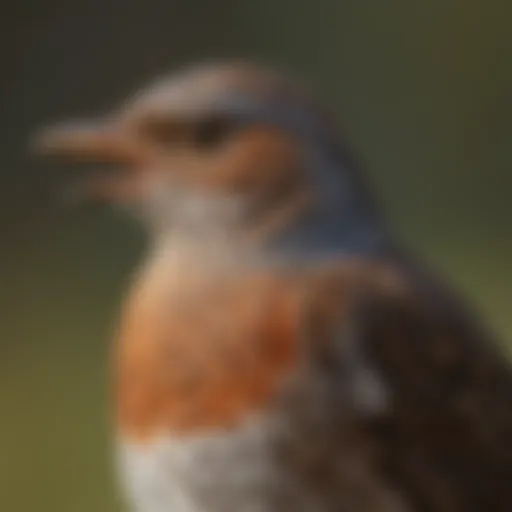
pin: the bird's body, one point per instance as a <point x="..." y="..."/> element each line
<point x="277" y="351"/>
<point x="210" y="413"/>
<point x="231" y="410"/>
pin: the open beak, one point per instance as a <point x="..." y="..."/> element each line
<point x="96" y="143"/>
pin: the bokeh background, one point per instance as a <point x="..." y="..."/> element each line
<point x="422" y="89"/>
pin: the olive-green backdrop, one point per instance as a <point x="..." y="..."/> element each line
<point x="422" y="89"/>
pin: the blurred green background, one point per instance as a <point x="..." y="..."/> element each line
<point x="423" y="91"/>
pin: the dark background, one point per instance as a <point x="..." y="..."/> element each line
<point x="423" y="90"/>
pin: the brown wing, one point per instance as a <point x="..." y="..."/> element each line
<point x="443" y="434"/>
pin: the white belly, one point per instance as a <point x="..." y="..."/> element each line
<point x="240" y="471"/>
<point x="236" y="472"/>
<point x="225" y="472"/>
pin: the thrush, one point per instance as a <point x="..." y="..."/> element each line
<point x="279" y="350"/>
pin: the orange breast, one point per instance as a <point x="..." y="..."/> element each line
<point x="204" y="353"/>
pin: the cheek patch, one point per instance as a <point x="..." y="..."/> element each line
<point x="256" y="162"/>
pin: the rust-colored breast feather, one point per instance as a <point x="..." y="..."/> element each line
<point x="205" y="355"/>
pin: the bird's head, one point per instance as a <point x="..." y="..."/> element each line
<point x="223" y="147"/>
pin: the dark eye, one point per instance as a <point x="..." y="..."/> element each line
<point x="210" y="133"/>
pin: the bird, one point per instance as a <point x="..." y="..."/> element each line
<point x="279" y="349"/>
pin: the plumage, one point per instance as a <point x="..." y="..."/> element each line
<point x="279" y="350"/>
